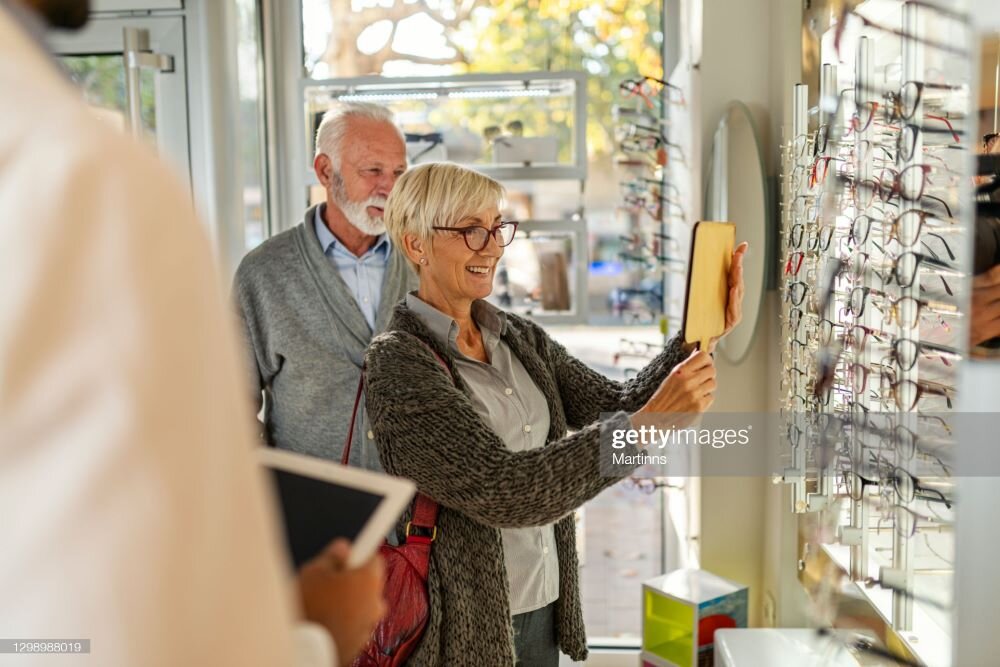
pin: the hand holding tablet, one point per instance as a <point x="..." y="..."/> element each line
<point x="322" y="501"/>
<point x="347" y="602"/>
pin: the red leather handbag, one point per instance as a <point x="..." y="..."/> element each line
<point x="399" y="632"/>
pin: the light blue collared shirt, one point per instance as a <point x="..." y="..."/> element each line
<point x="364" y="274"/>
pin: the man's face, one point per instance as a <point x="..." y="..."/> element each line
<point x="372" y="157"/>
<point x="64" y="14"/>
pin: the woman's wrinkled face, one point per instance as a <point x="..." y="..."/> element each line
<point x="454" y="271"/>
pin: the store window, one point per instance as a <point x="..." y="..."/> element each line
<point x="623" y="532"/>
<point x="252" y="138"/>
<point x="102" y="78"/>
<point x="607" y="41"/>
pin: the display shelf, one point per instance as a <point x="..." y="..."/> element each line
<point x="651" y="160"/>
<point x="544" y="274"/>
<point x="516" y="126"/>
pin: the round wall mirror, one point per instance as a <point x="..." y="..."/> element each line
<point x="737" y="192"/>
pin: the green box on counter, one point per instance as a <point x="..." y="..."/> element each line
<point x="681" y="612"/>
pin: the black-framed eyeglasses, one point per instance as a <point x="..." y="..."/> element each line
<point x="907" y="487"/>
<point x="796" y="292"/>
<point x="894" y="309"/>
<point x="902" y="34"/>
<point x="906" y="266"/>
<point x="820" y="238"/>
<point x="432" y="139"/>
<point x="854" y="484"/>
<point x="795" y="318"/>
<point x="477" y="238"/>
<point x="903" y="105"/>
<point x="901" y="269"/>
<point x="906" y="351"/>
<point x="906" y="140"/>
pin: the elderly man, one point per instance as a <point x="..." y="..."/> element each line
<point x="311" y="298"/>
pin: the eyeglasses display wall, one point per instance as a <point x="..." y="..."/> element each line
<point x="654" y="251"/>
<point x="877" y="214"/>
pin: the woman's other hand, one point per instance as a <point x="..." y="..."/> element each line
<point x="734" y="305"/>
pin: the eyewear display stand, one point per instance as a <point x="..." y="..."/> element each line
<point x="876" y="275"/>
<point x="650" y="154"/>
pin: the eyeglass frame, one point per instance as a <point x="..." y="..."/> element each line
<point x="634" y="87"/>
<point x="902" y="34"/>
<point x="938" y="307"/>
<point x="491" y="232"/>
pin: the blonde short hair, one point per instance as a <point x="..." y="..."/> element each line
<point x="436" y="194"/>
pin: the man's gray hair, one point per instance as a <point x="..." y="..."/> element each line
<point x="333" y="127"/>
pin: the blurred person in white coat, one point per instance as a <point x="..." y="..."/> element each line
<point x="131" y="509"/>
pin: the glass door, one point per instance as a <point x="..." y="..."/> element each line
<point x="132" y="72"/>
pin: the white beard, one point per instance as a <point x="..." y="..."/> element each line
<point x="357" y="212"/>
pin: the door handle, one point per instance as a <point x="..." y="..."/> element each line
<point x="138" y="56"/>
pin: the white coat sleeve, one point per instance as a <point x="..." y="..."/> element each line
<point x="133" y="514"/>
<point x="314" y="646"/>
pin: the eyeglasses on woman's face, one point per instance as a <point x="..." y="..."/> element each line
<point x="478" y="237"/>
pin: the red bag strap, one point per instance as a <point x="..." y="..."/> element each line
<point x="425" y="510"/>
<point x="354" y="415"/>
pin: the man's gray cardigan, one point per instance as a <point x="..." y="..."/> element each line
<point x="306" y="337"/>
<point x="427" y="430"/>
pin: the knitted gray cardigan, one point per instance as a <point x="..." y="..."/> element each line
<point x="427" y="430"/>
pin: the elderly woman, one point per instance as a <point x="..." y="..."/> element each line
<point x="474" y="404"/>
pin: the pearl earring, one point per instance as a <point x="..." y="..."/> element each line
<point x="423" y="260"/>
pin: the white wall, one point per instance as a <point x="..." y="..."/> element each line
<point x="976" y="540"/>
<point x="751" y="52"/>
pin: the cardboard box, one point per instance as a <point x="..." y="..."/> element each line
<point x="681" y="612"/>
